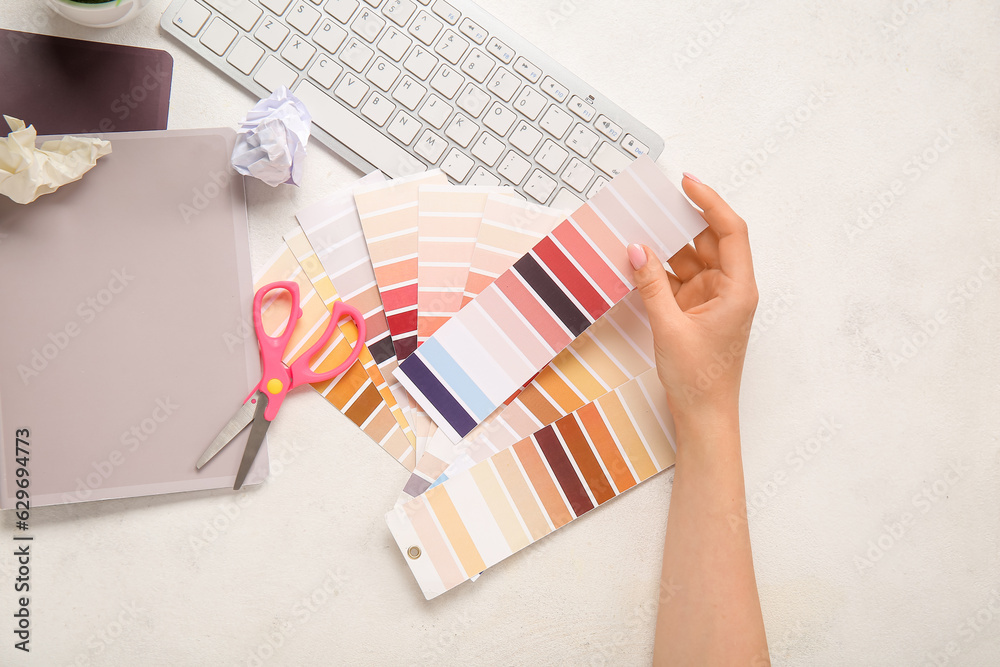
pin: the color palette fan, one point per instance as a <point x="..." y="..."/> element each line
<point x="508" y="362"/>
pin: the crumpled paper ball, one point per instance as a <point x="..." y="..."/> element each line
<point x="28" y="172"/>
<point x="271" y="142"/>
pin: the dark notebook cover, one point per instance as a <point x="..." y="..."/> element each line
<point x="70" y="86"/>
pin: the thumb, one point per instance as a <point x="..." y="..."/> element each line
<point x="653" y="283"/>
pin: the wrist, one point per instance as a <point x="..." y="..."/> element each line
<point x="708" y="421"/>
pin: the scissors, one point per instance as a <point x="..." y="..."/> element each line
<point x="262" y="405"/>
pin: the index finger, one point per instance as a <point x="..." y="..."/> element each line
<point x="734" y="241"/>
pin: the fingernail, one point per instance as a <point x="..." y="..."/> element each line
<point x="692" y="177"/>
<point x="637" y="256"/>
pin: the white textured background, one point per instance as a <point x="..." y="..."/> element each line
<point x="845" y="338"/>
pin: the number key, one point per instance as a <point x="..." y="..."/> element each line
<point x="425" y="28"/>
<point x="399" y="11"/>
<point x="451" y="47"/>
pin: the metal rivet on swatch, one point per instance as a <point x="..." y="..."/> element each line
<point x="413" y="552"/>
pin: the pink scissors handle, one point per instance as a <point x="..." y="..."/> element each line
<point x="300" y="368"/>
<point x="277" y="378"/>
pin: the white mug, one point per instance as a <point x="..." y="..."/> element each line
<point x="101" y="14"/>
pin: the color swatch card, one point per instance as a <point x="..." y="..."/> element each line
<point x="388" y="215"/>
<point x="353" y="392"/>
<point x="511" y="227"/>
<point x="468" y="523"/>
<point x="448" y="224"/>
<point x="309" y="261"/>
<point x="333" y="228"/>
<point x="617" y="348"/>
<point x="569" y="279"/>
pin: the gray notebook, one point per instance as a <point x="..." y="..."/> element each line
<point x="126" y="341"/>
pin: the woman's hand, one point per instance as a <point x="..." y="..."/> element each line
<point x="701" y="314"/>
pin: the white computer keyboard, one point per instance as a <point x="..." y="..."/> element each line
<point x="406" y="85"/>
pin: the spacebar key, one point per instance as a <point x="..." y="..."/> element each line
<point x="356" y="134"/>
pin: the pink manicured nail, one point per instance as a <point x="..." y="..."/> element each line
<point x="637" y="256"/>
<point x="692" y="177"/>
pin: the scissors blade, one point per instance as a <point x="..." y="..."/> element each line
<point x="230" y="431"/>
<point x="254" y="442"/>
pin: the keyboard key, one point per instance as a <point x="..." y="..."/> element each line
<point x="351" y="89"/>
<point x="499" y="118"/>
<point x="377" y="109"/>
<point x="394" y="44"/>
<point x="276" y="6"/>
<point x="245" y="55"/>
<point x="556" y="121"/>
<point x="608" y="127"/>
<point x="342" y="10"/>
<point x="368" y="24"/>
<point x="539" y="186"/>
<point x="219" y="36"/>
<point x="325" y="71"/>
<point x="578" y="175"/>
<point x="373" y="3"/>
<point x="447" y="12"/>
<point x="581" y="140"/>
<point x="298" y="52"/>
<point x="356" y="54"/>
<point x="421" y="62"/>
<point x="610" y="160"/>
<point x="330" y="36"/>
<point x="461" y="130"/>
<point x="399" y="11"/>
<point x="272" y="33"/>
<point x="554" y="89"/>
<point x="447" y="81"/>
<point x="566" y="201"/>
<point x="425" y="28"/>
<point x="488" y="148"/>
<point x="478" y="65"/>
<point x="526" y="69"/>
<point x="435" y="111"/>
<point x="525" y="138"/>
<point x="473" y="100"/>
<point x="404" y="127"/>
<point x="504" y="84"/>
<point x="473" y="31"/>
<point x="409" y="93"/>
<point x="551" y="156"/>
<point x="530" y="102"/>
<point x="596" y="187"/>
<point x="191" y="17"/>
<point x="500" y="50"/>
<point x="273" y="75"/>
<point x="356" y="133"/>
<point x="581" y="108"/>
<point x="451" y="47"/>
<point x="430" y="146"/>
<point x="483" y="179"/>
<point x="302" y="17"/>
<point x="457" y="165"/>
<point x="383" y="74"/>
<point x="634" y="146"/>
<point x="514" y="167"/>
<point x="241" y="12"/>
